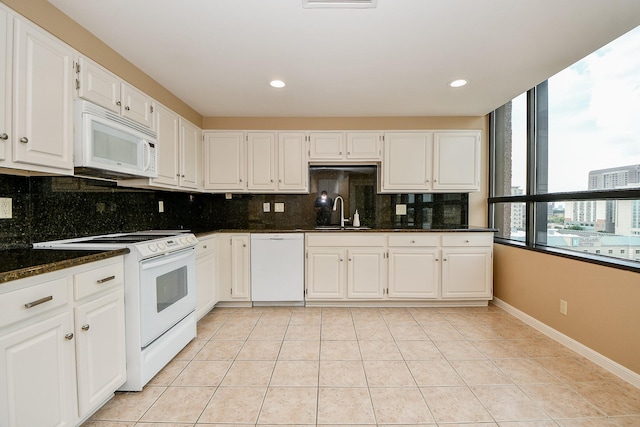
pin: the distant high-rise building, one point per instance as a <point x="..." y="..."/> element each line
<point x="611" y="178"/>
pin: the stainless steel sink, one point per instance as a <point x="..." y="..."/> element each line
<point x="338" y="228"/>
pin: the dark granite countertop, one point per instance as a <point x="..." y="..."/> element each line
<point x="20" y="263"/>
<point x="337" y="229"/>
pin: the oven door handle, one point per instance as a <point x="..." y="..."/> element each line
<point x="163" y="259"/>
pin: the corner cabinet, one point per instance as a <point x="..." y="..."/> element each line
<point x="37" y="128"/>
<point x="439" y="161"/>
<point x="467" y="266"/>
<point x="233" y="281"/>
<point x="75" y="317"/>
<point x="206" y="291"/>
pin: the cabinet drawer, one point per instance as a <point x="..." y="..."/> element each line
<point x="28" y="302"/>
<point x="414" y="239"/>
<point x="345" y="239"/>
<point x="92" y="281"/>
<point x="467" y="239"/>
<point x="205" y="246"/>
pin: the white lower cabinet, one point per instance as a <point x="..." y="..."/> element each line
<point x="344" y="266"/>
<point x="205" y="275"/>
<point x="62" y="344"/>
<point x="234" y="268"/>
<point x="38" y="386"/>
<point x="100" y="350"/>
<point x="409" y="266"/>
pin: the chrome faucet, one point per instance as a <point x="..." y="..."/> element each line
<point x="335" y="205"/>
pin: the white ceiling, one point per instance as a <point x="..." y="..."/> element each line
<point x="395" y="60"/>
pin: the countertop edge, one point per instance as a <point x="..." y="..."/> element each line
<point x="23" y="273"/>
<point x="371" y="230"/>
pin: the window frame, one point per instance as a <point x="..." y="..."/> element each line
<point x="537" y="195"/>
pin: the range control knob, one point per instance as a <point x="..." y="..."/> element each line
<point x="183" y="240"/>
<point x="161" y="246"/>
<point x="190" y="239"/>
<point x="152" y="247"/>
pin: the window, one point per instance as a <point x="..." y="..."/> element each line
<point x="565" y="160"/>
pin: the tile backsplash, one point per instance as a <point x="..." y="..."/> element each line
<point x="50" y="208"/>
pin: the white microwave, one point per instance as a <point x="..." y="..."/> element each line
<point x="109" y="145"/>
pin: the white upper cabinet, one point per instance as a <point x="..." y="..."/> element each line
<point x="406" y="165"/>
<point x="261" y="159"/>
<point x="456" y="164"/>
<point x="38" y="78"/>
<point x="98" y="85"/>
<point x="293" y="169"/>
<point x="326" y="145"/>
<point x="167" y="127"/>
<point x="224" y="154"/>
<point x="441" y="161"/>
<point x="190" y="155"/>
<point x="345" y="146"/>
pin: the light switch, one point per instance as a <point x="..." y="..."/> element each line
<point x="266" y="207"/>
<point x="401" y="209"/>
<point x="278" y="207"/>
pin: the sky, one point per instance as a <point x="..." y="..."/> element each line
<point x="594" y="116"/>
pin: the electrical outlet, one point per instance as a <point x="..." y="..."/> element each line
<point x="278" y="207"/>
<point x="266" y="207"/>
<point x="6" y="210"/>
<point x="160" y="206"/>
<point x="563" y="307"/>
<point x="401" y="209"/>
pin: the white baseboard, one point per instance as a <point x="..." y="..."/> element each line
<point x="604" y="362"/>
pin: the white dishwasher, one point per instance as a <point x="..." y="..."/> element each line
<point x="277" y="268"/>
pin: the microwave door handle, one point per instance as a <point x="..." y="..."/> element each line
<point x="147" y="149"/>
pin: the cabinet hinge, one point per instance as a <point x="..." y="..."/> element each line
<point x="151" y="108"/>
<point x="306" y="291"/>
<point x="77" y="84"/>
<point x="77" y="67"/>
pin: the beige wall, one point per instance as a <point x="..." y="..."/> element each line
<point x="60" y="25"/>
<point x="603" y="302"/>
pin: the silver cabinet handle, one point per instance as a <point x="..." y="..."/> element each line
<point x="38" y="302"/>
<point x="68" y="337"/>
<point x="4" y="137"/>
<point x="118" y="103"/>
<point x="466" y="241"/>
<point x="106" y="279"/>
<point x="85" y="327"/>
<point x="127" y="108"/>
<point x="24" y="139"/>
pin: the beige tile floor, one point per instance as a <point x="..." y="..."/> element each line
<point x="374" y="366"/>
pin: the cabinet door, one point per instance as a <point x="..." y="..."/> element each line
<point x="456" y="164"/>
<point x="293" y="167"/>
<point x="240" y="267"/>
<point x="366" y="273"/>
<point x="167" y="125"/>
<point x="326" y="146"/>
<point x="136" y="105"/>
<point x="205" y="277"/>
<point x="413" y="273"/>
<point x="261" y="160"/>
<point x="190" y="155"/>
<point x="467" y="273"/>
<point x="98" y="85"/>
<point x="406" y="165"/>
<point x="325" y="273"/>
<point x="37" y="376"/>
<point x="43" y="94"/>
<point x="100" y="350"/>
<point x="5" y="83"/>
<point x="363" y="146"/>
<point x="224" y="161"/>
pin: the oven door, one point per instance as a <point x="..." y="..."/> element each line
<point x="167" y="292"/>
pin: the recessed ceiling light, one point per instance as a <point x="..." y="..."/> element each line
<point x="277" y="83"/>
<point x="458" y="83"/>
